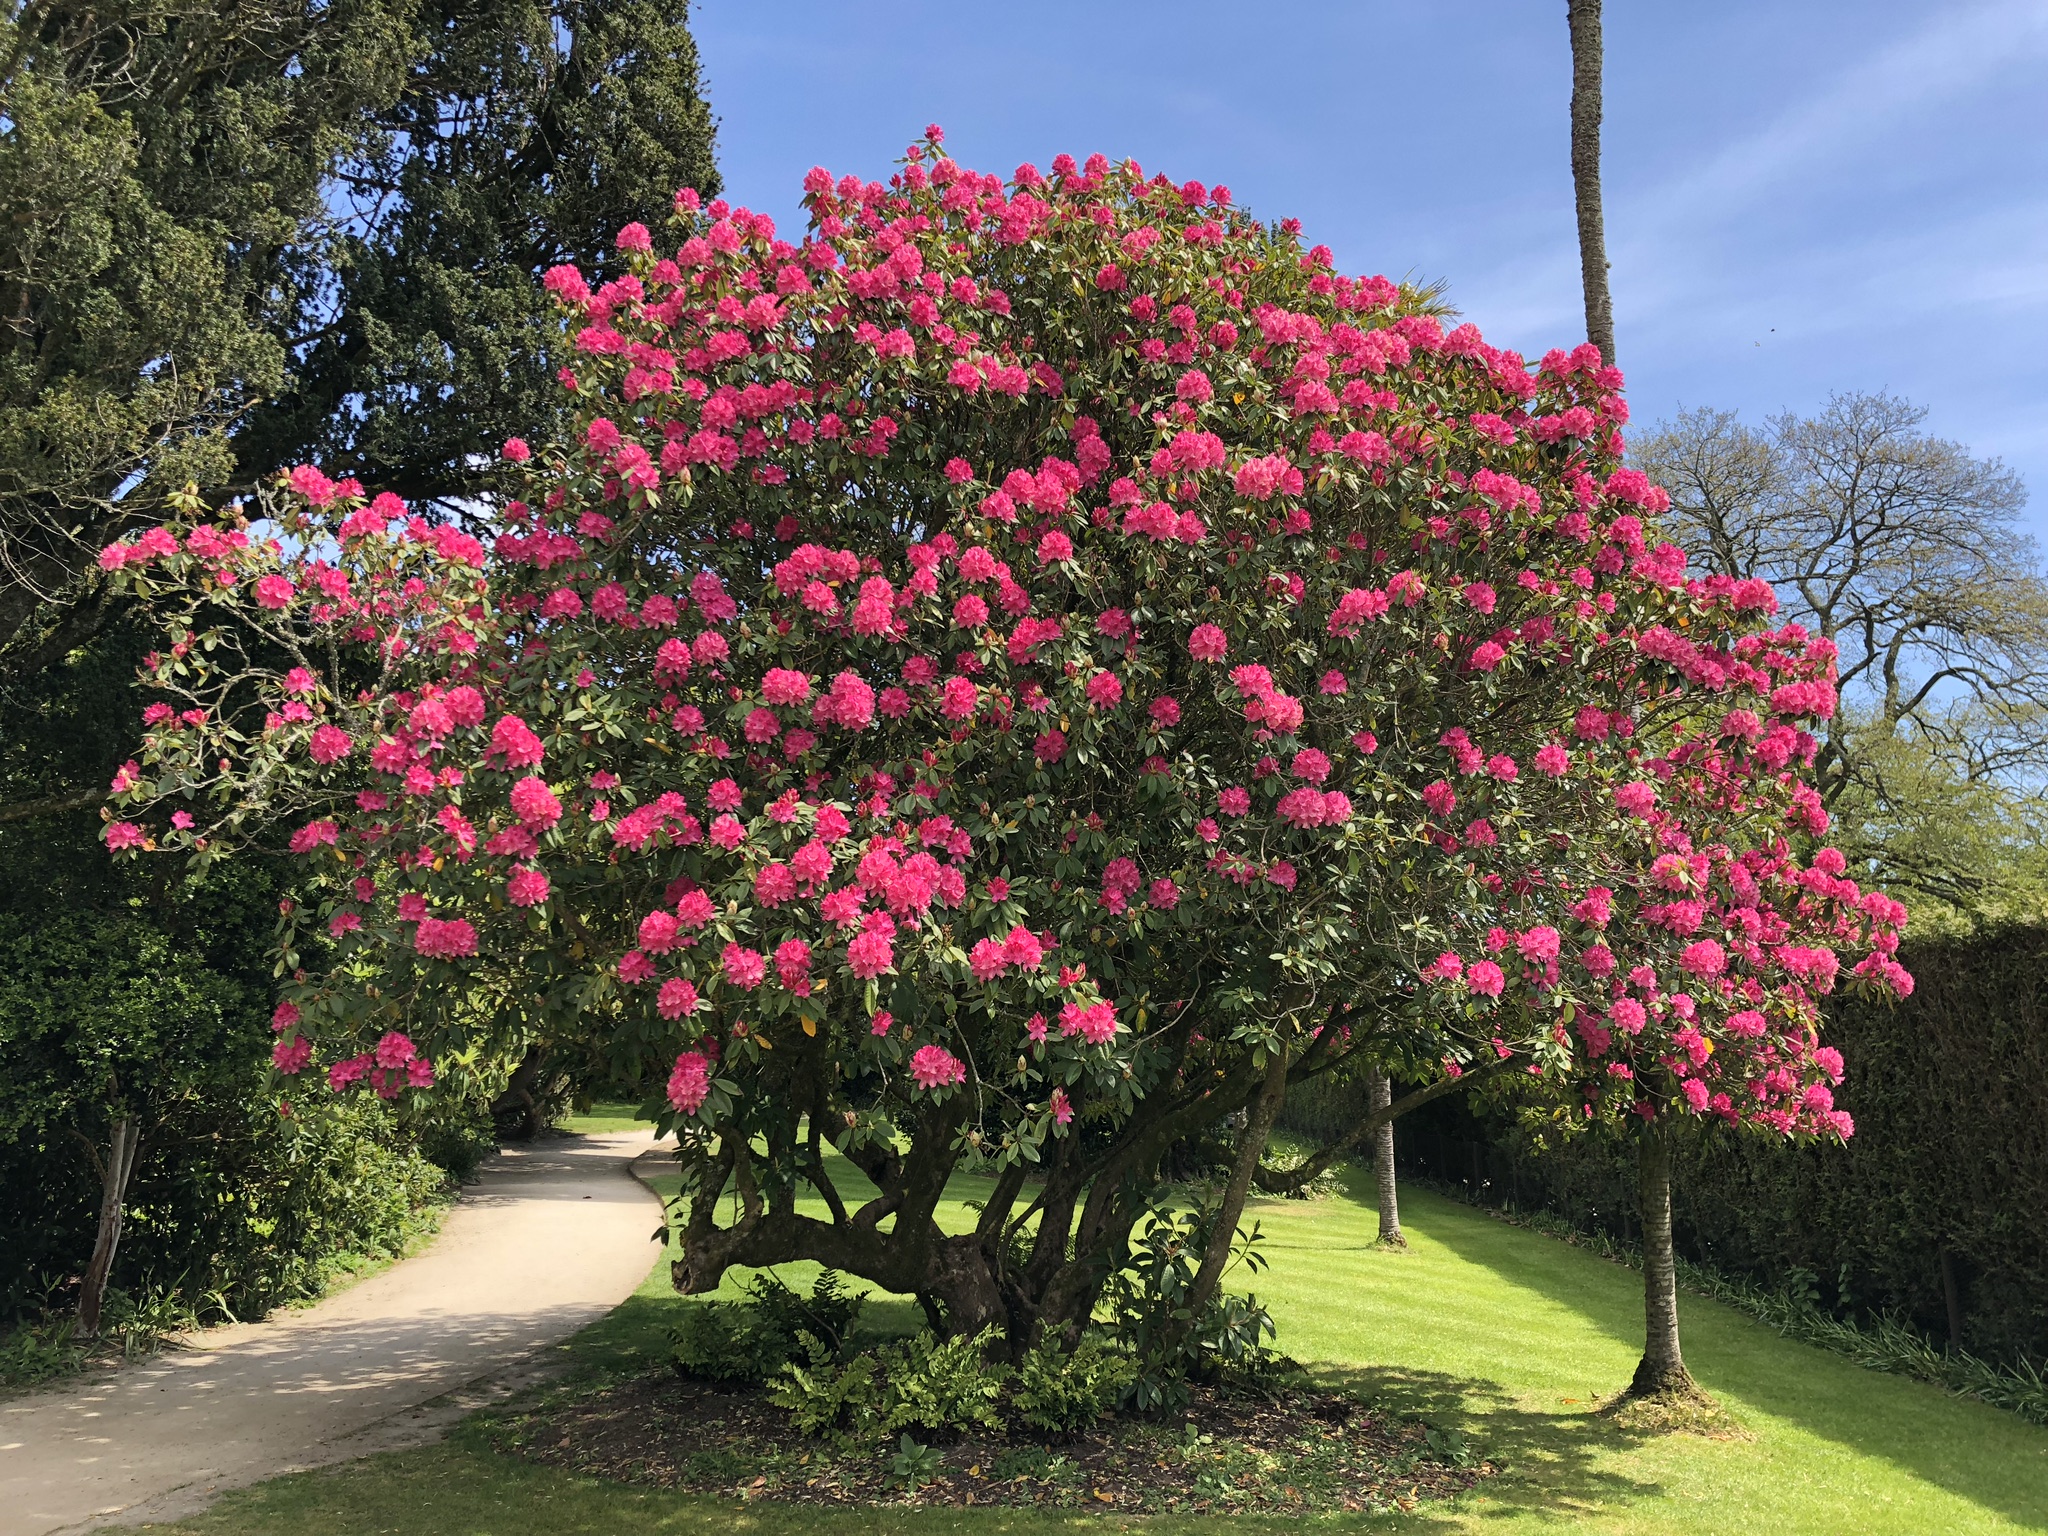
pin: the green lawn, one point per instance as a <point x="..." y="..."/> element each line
<point x="606" y="1115"/>
<point x="1503" y="1334"/>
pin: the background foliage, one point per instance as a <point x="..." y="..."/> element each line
<point x="1950" y="1154"/>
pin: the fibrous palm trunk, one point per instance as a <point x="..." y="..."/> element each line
<point x="1380" y="1091"/>
<point x="1588" y="61"/>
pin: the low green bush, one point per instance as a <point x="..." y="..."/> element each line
<point x="942" y="1387"/>
<point x="945" y="1387"/>
<point x="752" y="1340"/>
<point x="1148" y="1306"/>
<point x="828" y="1401"/>
<point x="1057" y="1394"/>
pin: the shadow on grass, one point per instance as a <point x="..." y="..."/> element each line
<point x="1546" y="1461"/>
<point x="1990" y="1457"/>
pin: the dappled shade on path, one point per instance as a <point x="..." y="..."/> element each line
<point x="550" y="1239"/>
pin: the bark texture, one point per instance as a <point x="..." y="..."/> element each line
<point x="1380" y="1095"/>
<point x="1662" y="1371"/>
<point x="1588" y="60"/>
<point x="120" y="1162"/>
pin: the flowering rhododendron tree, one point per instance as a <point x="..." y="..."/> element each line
<point x="1035" y="653"/>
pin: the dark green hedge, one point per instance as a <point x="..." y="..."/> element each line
<point x="1949" y="1161"/>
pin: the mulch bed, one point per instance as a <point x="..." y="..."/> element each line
<point x="1306" y="1451"/>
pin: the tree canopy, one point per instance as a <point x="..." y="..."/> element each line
<point x="1027" y="671"/>
<point x="235" y="235"/>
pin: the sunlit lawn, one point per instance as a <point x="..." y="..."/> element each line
<point x="1505" y="1335"/>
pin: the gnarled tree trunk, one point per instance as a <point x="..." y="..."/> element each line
<point x="1380" y="1095"/>
<point x="120" y="1162"/>
<point x="1662" y="1371"/>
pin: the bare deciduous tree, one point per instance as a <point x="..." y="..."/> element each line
<point x="1905" y="550"/>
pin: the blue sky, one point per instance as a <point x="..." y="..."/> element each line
<point x="1801" y="197"/>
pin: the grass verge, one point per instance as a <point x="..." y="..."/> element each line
<point x="1496" y="1334"/>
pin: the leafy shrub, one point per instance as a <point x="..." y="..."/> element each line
<point x="1148" y="1303"/>
<point x="944" y="1387"/>
<point x="826" y="1400"/>
<point x="827" y="1314"/>
<point x="239" y="1200"/>
<point x="754" y="1339"/>
<point x="1059" y="1394"/>
<point x="724" y="1341"/>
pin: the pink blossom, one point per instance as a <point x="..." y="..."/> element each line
<point x="1022" y="949"/>
<point x="1094" y="1022"/>
<point x="793" y="966"/>
<point x="782" y="685"/>
<point x="1704" y="958"/>
<point x="448" y="940"/>
<point x="1104" y="690"/>
<point x="328" y="744"/>
<point x="515" y="742"/>
<point x="1207" y="643"/>
<point x="1484" y="978"/>
<point x="535" y="804"/>
<point x="677" y="998"/>
<point x="1310" y="765"/>
<point x="1636" y="799"/>
<point x="689" y="1085"/>
<point x="986" y="960"/>
<point x="869" y="955"/>
<point x="658" y="932"/>
<point x="526" y="887"/>
<point x="744" y="968"/>
<point x="933" y="1066"/>
<point x="1260" y="479"/>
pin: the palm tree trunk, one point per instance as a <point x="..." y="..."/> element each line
<point x="113" y="1192"/>
<point x="1662" y="1371"/>
<point x="1380" y="1093"/>
<point x="1588" y="60"/>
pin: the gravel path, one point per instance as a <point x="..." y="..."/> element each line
<point x="551" y="1238"/>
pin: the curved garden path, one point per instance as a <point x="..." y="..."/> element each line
<point x="552" y="1237"/>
